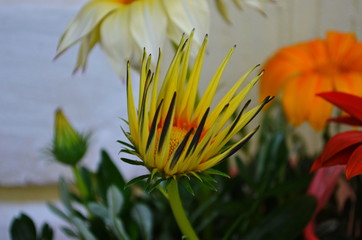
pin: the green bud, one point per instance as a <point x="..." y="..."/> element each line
<point x="68" y="145"/>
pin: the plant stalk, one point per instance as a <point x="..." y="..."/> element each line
<point x="179" y="212"/>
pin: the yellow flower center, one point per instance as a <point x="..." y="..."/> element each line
<point x="177" y="135"/>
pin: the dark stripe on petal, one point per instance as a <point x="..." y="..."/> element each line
<point x="198" y="133"/>
<point x="238" y="117"/>
<point x="180" y="148"/>
<point x="167" y="123"/>
<point x="144" y="98"/>
<point x="265" y="101"/>
<point x="237" y="147"/>
<point x="153" y="126"/>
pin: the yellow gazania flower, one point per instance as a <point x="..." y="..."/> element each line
<point x="124" y="27"/>
<point x="303" y="70"/>
<point x="173" y="133"/>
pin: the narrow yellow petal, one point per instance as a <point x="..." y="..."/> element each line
<point x="227" y="98"/>
<point x="206" y="99"/>
<point x="188" y="104"/>
<point x="132" y="117"/>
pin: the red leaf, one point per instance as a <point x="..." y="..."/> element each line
<point x="354" y="165"/>
<point x="347" y="102"/>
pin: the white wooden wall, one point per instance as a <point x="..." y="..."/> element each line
<point x="32" y="86"/>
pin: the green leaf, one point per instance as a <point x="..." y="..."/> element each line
<point x="23" y="228"/>
<point x="114" y="201"/>
<point x="82" y="228"/>
<point x="64" y="194"/>
<point x="108" y="175"/>
<point x="120" y="231"/>
<point x="98" y="210"/>
<point x="286" y="222"/>
<point x="58" y="212"/>
<point x="69" y="232"/>
<point x="143" y="216"/>
<point x="46" y="232"/>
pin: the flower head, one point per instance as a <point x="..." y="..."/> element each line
<point x="172" y="132"/>
<point x="344" y="148"/>
<point x="303" y="70"/>
<point x="68" y="145"/>
<point x="124" y="27"/>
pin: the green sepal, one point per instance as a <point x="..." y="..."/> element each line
<point x="151" y="186"/>
<point x="126" y="144"/>
<point x="212" y="171"/>
<point x="133" y="162"/>
<point x="136" y="180"/>
<point x="186" y="184"/>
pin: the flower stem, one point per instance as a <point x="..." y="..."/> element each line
<point x="179" y="212"/>
<point x="79" y="182"/>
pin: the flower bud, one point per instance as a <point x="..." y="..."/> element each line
<point x="68" y="145"/>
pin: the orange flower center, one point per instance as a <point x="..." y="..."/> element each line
<point x="126" y="1"/>
<point x="329" y="69"/>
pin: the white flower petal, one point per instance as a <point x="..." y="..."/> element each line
<point x="148" y="24"/>
<point x="86" y="46"/>
<point x="186" y="15"/>
<point x="116" y="39"/>
<point x="86" y="20"/>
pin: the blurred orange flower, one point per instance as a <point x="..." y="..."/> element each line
<point x="301" y="71"/>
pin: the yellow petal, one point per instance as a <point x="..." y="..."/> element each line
<point x="209" y="94"/>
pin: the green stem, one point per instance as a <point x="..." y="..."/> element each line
<point x="179" y="212"/>
<point x="79" y="182"/>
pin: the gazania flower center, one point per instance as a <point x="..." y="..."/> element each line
<point x="177" y="135"/>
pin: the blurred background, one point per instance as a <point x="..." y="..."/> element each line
<point x="33" y="85"/>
